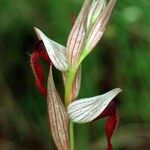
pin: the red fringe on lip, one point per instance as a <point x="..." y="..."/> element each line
<point x="39" y="52"/>
<point x="112" y="122"/>
<point x="110" y="128"/>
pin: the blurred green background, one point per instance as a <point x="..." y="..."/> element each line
<point x="121" y="59"/>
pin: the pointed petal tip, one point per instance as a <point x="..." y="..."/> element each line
<point x="40" y="34"/>
<point x="114" y="92"/>
<point x="118" y="90"/>
<point x="121" y="89"/>
<point x="35" y="28"/>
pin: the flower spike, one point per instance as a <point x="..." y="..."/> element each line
<point x="56" y="52"/>
<point x="86" y="32"/>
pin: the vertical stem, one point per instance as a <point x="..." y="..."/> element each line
<point x="68" y="98"/>
<point x="69" y="83"/>
<point x="71" y="136"/>
<point x="68" y="87"/>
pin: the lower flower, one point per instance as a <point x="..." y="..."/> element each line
<point x="94" y="108"/>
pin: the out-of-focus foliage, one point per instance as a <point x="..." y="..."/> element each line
<point x="121" y="59"/>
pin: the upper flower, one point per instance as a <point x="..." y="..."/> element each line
<point x="85" y="34"/>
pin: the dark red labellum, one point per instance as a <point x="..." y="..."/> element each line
<point x="112" y="121"/>
<point x="39" y="52"/>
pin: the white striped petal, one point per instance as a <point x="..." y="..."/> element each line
<point x="99" y="26"/>
<point x="95" y="10"/>
<point x="76" y="37"/>
<point x="88" y="29"/>
<point x="87" y="109"/>
<point x="56" y="52"/>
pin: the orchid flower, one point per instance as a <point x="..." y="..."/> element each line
<point x="85" y="34"/>
<point x="90" y="109"/>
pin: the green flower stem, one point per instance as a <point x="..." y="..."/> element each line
<point x="71" y="136"/>
<point x="68" y="92"/>
<point x="68" y="98"/>
<point x="68" y="87"/>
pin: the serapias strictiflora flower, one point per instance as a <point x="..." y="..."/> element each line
<point x="87" y="31"/>
<point x="56" y="54"/>
<point x="56" y="51"/>
<point x="90" y="109"/>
